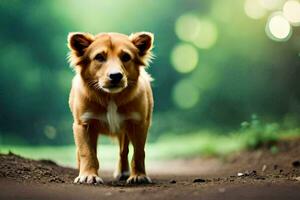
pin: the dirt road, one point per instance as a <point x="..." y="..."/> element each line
<point x="248" y="175"/>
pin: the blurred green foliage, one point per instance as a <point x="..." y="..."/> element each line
<point x="203" y="142"/>
<point x="225" y="70"/>
<point x="259" y="134"/>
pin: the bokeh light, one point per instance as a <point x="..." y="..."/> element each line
<point x="184" y="58"/>
<point x="50" y="132"/>
<point x="254" y="9"/>
<point x="291" y="11"/>
<point x="208" y="34"/>
<point x="200" y="31"/>
<point x="185" y="94"/>
<point x="187" y="27"/>
<point x="204" y="77"/>
<point x="271" y="4"/>
<point x="278" y="28"/>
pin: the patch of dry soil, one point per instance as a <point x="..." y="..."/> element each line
<point x="249" y="175"/>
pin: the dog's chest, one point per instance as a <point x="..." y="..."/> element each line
<point x="112" y="117"/>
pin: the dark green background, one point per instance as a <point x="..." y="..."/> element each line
<point x="251" y="72"/>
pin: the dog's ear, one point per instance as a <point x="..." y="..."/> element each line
<point x="78" y="42"/>
<point x="143" y="41"/>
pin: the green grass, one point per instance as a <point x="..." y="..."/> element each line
<point x="252" y="135"/>
<point x="166" y="148"/>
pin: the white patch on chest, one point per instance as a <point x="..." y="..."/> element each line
<point x="112" y="117"/>
<point x="90" y="115"/>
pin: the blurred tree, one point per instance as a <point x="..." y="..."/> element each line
<point x="227" y="70"/>
<point x="32" y="58"/>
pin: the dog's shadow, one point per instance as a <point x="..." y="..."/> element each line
<point x="119" y="184"/>
<point x="114" y="183"/>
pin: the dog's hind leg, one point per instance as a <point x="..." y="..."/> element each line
<point x="137" y="134"/>
<point x="122" y="172"/>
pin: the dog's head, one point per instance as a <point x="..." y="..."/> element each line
<point x="110" y="61"/>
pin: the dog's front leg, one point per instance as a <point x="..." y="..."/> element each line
<point x="137" y="134"/>
<point x="122" y="171"/>
<point x="86" y="143"/>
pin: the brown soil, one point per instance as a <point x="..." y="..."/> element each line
<point x="256" y="174"/>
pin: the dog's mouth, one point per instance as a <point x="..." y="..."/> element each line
<point x="113" y="88"/>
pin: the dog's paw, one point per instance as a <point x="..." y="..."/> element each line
<point x="88" y="179"/>
<point x="123" y="176"/>
<point x="138" y="179"/>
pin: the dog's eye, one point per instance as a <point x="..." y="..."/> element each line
<point x="100" y="57"/>
<point x="125" y="57"/>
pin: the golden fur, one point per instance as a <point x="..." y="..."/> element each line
<point x="99" y="106"/>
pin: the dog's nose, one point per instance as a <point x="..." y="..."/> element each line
<point x="116" y="77"/>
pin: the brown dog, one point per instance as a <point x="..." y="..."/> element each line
<point x="111" y="94"/>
